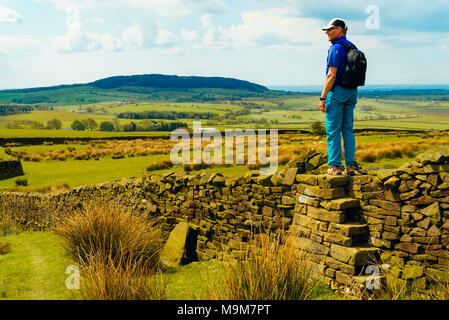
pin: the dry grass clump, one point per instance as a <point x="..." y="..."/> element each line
<point x="161" y="165"/>
<point x="274" y="269"/>
<point x="117" y="149"/>
<point x="117" y="250"/>
<point x="124" y="279"/>
<point x="5" y="248"/>
<point x="370" y="152"/>
<point x="111" y="231"/>
<point x="8" y="226"/>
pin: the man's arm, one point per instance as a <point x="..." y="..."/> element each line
<point x="328" y="84"/>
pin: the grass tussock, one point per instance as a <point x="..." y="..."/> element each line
<point x="5" y="248"/>
<point x="161" y="165"/>
<point x="8" y="226"/>
<point x="121" y="278"/>
<point x="111" y="231"/>
<point x="117" y="250"/>
<point x="273" y="270"/>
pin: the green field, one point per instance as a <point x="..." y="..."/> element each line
<point x="273" y="110"/>
<point x="35" y="269"/>
<point x="288" y="112"/>
<point x="81" y="172"/>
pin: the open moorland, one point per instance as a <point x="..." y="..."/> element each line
<point x="69" y="136"/>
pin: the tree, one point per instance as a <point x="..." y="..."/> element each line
<point x="146" y="125"/>
<point x="106" y="126"/>
<point x="129" y="127"/>
<point x="54" y="124"/>
<point x="77" y="125"/>
<point x="90" y="124"/>
<point x="116" y="123"/>
<point x="318" y="129"/>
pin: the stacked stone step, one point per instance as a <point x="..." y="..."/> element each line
<point x="329" y="227"/>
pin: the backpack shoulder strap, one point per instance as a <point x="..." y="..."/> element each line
<point x="347" y="47"/>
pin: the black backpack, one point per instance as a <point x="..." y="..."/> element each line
<point x="355" y="70"/>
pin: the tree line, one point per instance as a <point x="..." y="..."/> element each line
<point x="6" y="110"/>
<point x="166" y="115"/>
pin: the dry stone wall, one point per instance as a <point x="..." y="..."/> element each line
<point x="397" y="217"/>
<point x="10" y="169"/>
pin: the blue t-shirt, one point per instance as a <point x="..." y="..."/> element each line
<point x="337" y="58"/>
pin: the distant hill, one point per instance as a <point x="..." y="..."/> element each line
<point x="157" y="81"/>
<point x="147" y="87"/>
<point x="164" y="81"/>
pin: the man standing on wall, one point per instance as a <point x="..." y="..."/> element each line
<point x="338" y="101"/>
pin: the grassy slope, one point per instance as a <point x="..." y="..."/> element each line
<point x="31" y="133"/>
<point x="55" y="172"/>
<point x="79" y="172"/>
<point x="34" y="269"/>
<point x="418" y="114"/>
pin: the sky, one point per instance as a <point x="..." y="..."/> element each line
<point x="269" y="42"/>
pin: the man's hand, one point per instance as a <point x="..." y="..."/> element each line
<point x="323" y="106"/>
<point x="328" y="84"/>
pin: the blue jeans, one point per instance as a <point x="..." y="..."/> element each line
<point x="340" y="104"/>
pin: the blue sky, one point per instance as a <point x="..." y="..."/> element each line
<point x="271" y="42"/>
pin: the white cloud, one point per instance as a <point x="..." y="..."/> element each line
<point x="278" y="25"/>
<point x="171" y="8"/>
<point x="209" y="6"/>
<point x="133" y="36"/>
<point x="19" y="46"/>
<point x="166" y="38"/>
<point x="205" y="20"/>
<point x="274" y="27"/>
<point x="8" y="15"/>
<point x="189" y="35"/>
<point x="76" y="39"/>
<point x="108" y="42"/>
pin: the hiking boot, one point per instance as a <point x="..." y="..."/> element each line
<point x="352" y="170"/>
<point x="334" y="171"/>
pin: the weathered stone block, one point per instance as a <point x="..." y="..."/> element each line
<point x="340" y="204"/>
<point x="308" y="200"/>
<point x="406" y="238"/>
<point x="309" y="179"/>
<point x="409" y="195"/>
<point x="392" y="183"/>
<point x="389" y="235"/>
<point x="315" y="191"/>
<point x="409" y="247"/>
<point x="424" y="224"/>
<point x="391" y="221"/>
<point x="392" y="196"/>
<point x="418" y="232"/>
<point x="338" y="239"/>
<point x="387" y="205"/>
<point x="432" y="211"/>
<point x="326" y="215"/>
<point x="412" y="271"/>
<point x="358" y="256"/>
<point x="290" y="176"/>
<point x="433" y="231"/>
<point x="337" y="265"/>
<point x="174" y="250"/>
<point x="349" y="229"/>
<point x="328" y="182"/>
<point x="439" y="193"/>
